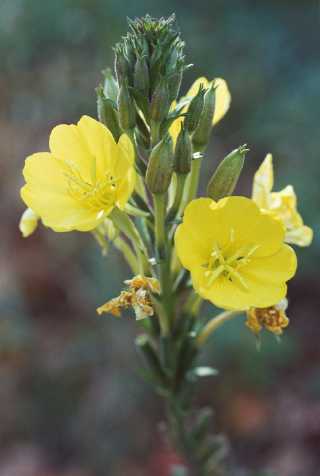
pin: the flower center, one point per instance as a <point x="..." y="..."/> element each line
<point x="96" y="194"/>
<point x="227" y="263"/>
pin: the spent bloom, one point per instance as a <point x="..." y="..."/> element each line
<point x="281" y="205"/>
<point x="272" y="318"/>
<point x="83" y="177"/>
<point x="137" y="295"/>
<point x="235" y="253"/>
<point x="222" y="102"/>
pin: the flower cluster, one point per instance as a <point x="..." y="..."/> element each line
<point x="131" y="179"/>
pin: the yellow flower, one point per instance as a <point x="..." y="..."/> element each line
<point x="222" y="103"/>
<point x="235" y="253"/>
<point x="272" y="318"/>
<point x="281" y="205"/>
<point x="28" y="222"/>
<point x="86" y="175"/>
<point x="138" y="296"/>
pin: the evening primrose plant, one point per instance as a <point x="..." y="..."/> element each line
<point x="130" y="178"/>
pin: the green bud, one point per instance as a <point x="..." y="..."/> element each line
<point x="160" y="103"/>
<point x="225" y="178"/>
<point x="183" y="152"/>
<point x="110" y="87"/>
<point x="160" y="166"/>
<point x="194" y="110"/>
<point x="126" y="107"/>
<point x="202" y="133"/>
<point x="141" y="76"/>
<point x="120" y="65"/>
<point x="108" y="114"/>
<point x="174" y="83"/>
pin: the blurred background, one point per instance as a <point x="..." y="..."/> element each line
<point x="71" y="400"/>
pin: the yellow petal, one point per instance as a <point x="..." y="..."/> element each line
<point x="301" y="236"/>
<point x="194" y="238"/>
<point x="193" y="90"/>
<point x="222" y="100"/>
<point x="66" y="144"/>
<point x="47" y="194"/>
<point x="250" y="225"/>
<point x="99" y="141"/>
<point x="28" y="222"/>
<point x="263" y="183"/>
<point x="229" y="295"/>
<point x="279" y="267"/>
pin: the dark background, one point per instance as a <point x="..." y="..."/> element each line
<point x="71" y="400"/>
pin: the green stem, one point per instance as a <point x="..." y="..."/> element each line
<point x="181" y="180"/>
<point x="214" y="324"/>
<point x="126" y="226"/>
<point x="160" y="203"/>
<point x="192" y="183"/>
<point x="128" y="254"/>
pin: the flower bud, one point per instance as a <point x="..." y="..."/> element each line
<point x="160" y="166"/>
<point x="225" y="178"/>
<point x="110" y="87"/>
<point x="126" y="107"/>
<point x="108" y="114"/>
<point x="202" y="133"/>
<point x="160" y="103"/>
<point x="120" y="65"/>
<point x="174" y="83"/>
<point x="28" y="222"/>
<point x="141" y="76"/>
<point x="183" y="152"/>
<point x="194" y="110"/>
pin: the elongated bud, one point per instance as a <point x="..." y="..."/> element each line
<point x="174" y="84"/>
<point x="110" y="87"/>
<point x="160" y="103"/>
<point x="141" y="76"/>
<point x="183" y="152"/>
<point x="195" y="110"/>
<point x="120" y="65"/>
<point x="160" y="166"/>
<point x="127" y="111"/>
<point x="225" y="178"/>
<point x="28" y="222"/>
<point x="202" y="133"/>
<point x="108" y="114"/>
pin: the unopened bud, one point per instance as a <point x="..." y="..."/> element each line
<point x="110" y="87"/>
<point x="202" y="133"/>
<point x="28" y="222"/>
<point x="126" y="107"/>
<point x="108" y="114"/>
<point x="174" y="83"/>
<point x="194" y="110"/>
<point x="120" y="65"/>
<point x="141" y="76"/>
<point x="160" y="103"/>
<point x="225" y="178"/>
<point x="183" y="152"/>
<point x="160" y="166"/>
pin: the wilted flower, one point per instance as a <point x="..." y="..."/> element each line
<point x="137" y="296"/>
<point x="272" y="318"/>
<point x="281" y="205"/>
